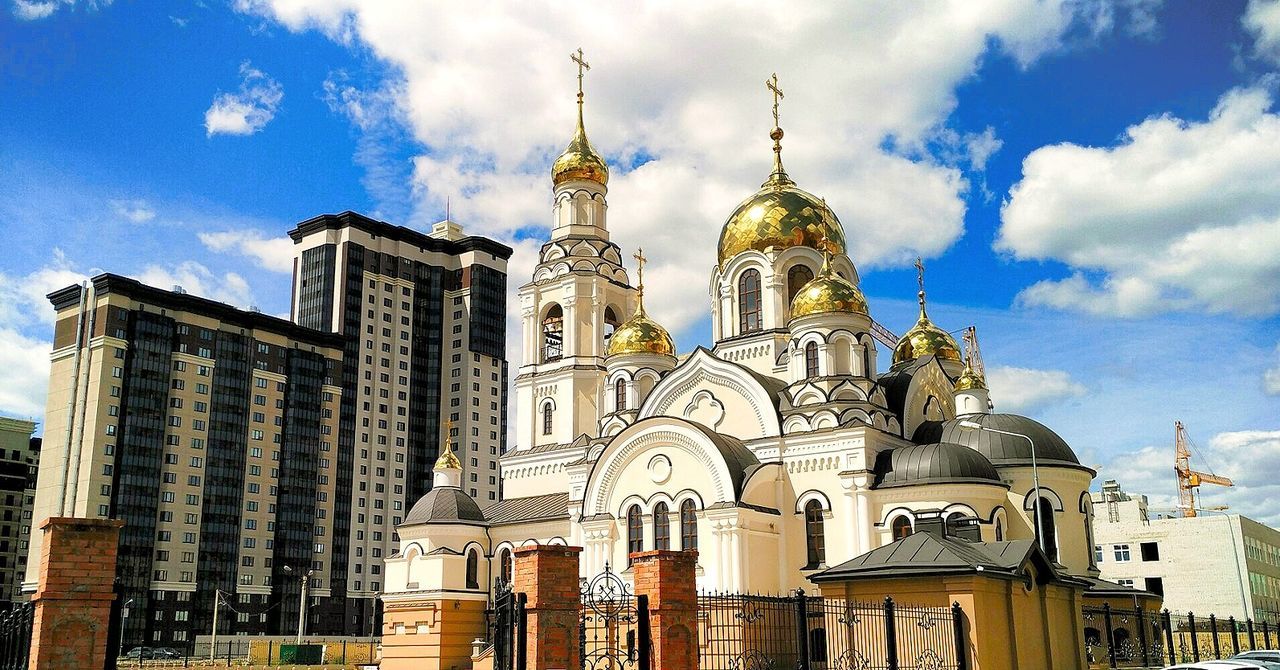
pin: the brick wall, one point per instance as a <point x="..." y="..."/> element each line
<point x="548" y="576"/>
<point x="74" y="596"/>
<point x="668" y="578"/>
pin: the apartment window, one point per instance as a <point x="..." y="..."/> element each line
<point x="1097" y="553"/>
<point x="1125" y="582"/>
<point x="1150" y="551"/>
<point x="1155" y="585"/>
<point x="1121" y="552"/>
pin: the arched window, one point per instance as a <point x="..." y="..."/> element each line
<point x="999" y="529"/>
<point x="811" y="359"/>
<point x="1046" y="526"/>
<point x="635" y="532"/>
<point x="473" y="569"/>
<point x="661" y="527"/>
<point x="506" y="568"/>
<point x="797" y="277"/>
<point x="620" y="395"/>
<point x="813" y="534"/>
<point x="688" y="527"/>
<point x="548" y="413"/>
<point x="553" y="334"/>
<point x="749" y="302"/>
<point x="901" y="528"/>
<point x="610" y="324"/>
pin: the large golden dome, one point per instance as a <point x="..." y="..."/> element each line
<point x="579" y="160"/>
<point x="780" y="215"/>
<point x="641" y="335"/>
<point x="828" y="293"/>
<point x="926" y="339"/>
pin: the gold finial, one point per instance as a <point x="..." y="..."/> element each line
<point x="825" y="245"/>
<point x="779" y="175"/>
<point x="447" y="458"/>
<point x="583" y="66"/>
<point x="919" y="264"/>
<point x="640" y="261"/>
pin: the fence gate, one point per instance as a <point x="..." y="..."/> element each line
<point x="15" y="636"/>
<point x="507" y="628"/>
<point x="613" y="624"/>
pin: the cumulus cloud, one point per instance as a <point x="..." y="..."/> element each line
<point x="246" y="111"/>
<point x="32" y="10"/>
<point x="1248" y="457"/>
<point x="272" y="253"/>
<point x="197" y="279"/>
<point x="1015" y="389"/>
<point x="25" y="361"/>
<point x="1262" y="20"/>
<point x="137" y="211"/>
<point x="684" y="127"/>
<point x="1180" y="215"/>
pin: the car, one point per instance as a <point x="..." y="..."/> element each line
<point x="141" y="653"/>
<point x="1231" y="664"/>
<point x="1270" y="655"/>
<point x="167" y="653"/>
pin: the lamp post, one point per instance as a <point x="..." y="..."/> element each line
<point x="1035" y="474"/>
<point x="305" y="578"/>
<point x="1244" y="598"/>
<point x="124" y="614"/>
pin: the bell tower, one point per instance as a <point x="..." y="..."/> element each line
<point x="578" y="295"/>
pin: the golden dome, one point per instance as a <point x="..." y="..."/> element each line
<point x="826" y="293"/>
<point x="926" y="339"/>
<point x="970" y="380"/>
<point x="447" y="458"/>
<point x="641" y="335"/>
<point x="779" y="215"/>
<point x="579" y="160"/>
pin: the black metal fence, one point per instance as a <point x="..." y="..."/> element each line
<point x="507" y="628"/>
<point x="1137" y="638"/>
<point x="754" y="632"/>
<point x="613" y="625"/>
<point x="15" y="636"/>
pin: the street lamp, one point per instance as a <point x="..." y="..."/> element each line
<point x="1035" y="473"/>
<point x="124" y="613"/>
<point x="305" y="578"/>
<point x="1244" y="599"/>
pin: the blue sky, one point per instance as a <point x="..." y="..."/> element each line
<point x="1095" y="185"/>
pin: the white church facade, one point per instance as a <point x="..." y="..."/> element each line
<point x="787" y="447"/>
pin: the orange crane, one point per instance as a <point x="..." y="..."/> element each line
<point x="1189" y="480"/>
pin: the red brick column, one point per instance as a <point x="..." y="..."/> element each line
<point x="669" y="579"/>
<point x="73" y="599"/>
<point x="548" y="576"/>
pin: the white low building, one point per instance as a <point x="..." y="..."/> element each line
<point x="1213" y="563"/>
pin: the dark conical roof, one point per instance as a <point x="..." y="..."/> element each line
<point x="937" y="463"/>
<point x="1001" y="450"/>
<point x="446" y="504"/>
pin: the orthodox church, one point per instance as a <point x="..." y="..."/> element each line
<point x="786" y="447"/>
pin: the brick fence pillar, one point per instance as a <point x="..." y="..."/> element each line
<point x="73" y="598"/>
<point x="669" y="578"/>
<point x="548" y="576"/>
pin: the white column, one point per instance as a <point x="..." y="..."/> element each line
<point x="864" y="518"/>
<point x="735" y="556"/>
<point x="853" y="544"/>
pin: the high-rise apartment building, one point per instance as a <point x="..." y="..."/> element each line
<point x="19" y="458"/>
<point x="424" y="321"/>
<point x="212" y="433"/>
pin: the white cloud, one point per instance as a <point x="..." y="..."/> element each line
<point x="32" y="10"/>
<point x="25" y="362"/>
<point x="1015" y="389"/>
<point x="272" y="253"/>
<point x="1262" y="20"/>
<point x="1271" y="377"/>
<point x="197" y="279"/>
<point x="22" y="299"/>
<point x="1181" y="215"/>
<point x="248" y="110"/>
<point x="137" y="211"/>
<point x="485" y="89"/>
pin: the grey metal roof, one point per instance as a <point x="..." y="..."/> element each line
<point x="529" y="508"/>
<point x="1000" y="449"/>
<point x="445" y="504"/>
<point x="937" y="463"/>
<point x="928" y="554"/>
<point x="1101" y="588"/>
<point x="897" y="381"/>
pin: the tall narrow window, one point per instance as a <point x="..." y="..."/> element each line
<point x="1046" y="526"/>
<point x="999" y="530"/>
<point x="620" y="395"/>
<point x="749" y="302"/>
<point x="813" y="534"/>
<point x="797" y="277"/>
<point x="473" y="569"/>
<point x="688" y="527"/>
<point x="635" y="532"/>
<point x="610" y="324"/>
<point x="548" y="412"/>
<point x="506" y="570"/>
<point x="553" y="334"/>
<point x="811" y="359"/>
<point x="661" y="527"/>
<point x="901" y="528"/>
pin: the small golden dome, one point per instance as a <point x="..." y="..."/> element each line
<point x="447" y="458"/>
<point x="641" y="335"/>
<point x="827" y="293"/>
<point x="779" y="215"/>
<point x="970" y="380"/>
<point x="926" y="339"/>
<point x="579" y="160"/>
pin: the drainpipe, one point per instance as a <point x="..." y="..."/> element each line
<point x="73" y="470"/>
<point x="71" y="402"/>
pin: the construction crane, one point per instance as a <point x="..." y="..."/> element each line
<point x="1189" y="480"/>
<point x="972" y="354"/>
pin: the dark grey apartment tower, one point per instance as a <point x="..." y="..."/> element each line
<point x="19" y="458"/>
<point x="423" y="318"/>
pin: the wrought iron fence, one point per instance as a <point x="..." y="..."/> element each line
<point x="755" y="632"/>
<point x="1137" y="638"/>
<point x="15" y="636"/>
<point x="507" y="628"/>
<point x="613" y="625"/>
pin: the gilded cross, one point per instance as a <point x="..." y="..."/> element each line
<point x="640" y="261"/>
<point x="772" y="84"/>
<point x="583" y="66"/>
<point x="920" y="273"/>
<point x="448" y="434"/>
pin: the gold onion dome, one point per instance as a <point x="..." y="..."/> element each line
<point x="641" y="335"/>
<point x="828" y="293"/>
<point x="970" y="380"/>
<point x="448" y="459"/>
<point x="779" y="215"/>
<point x="926" y="339"/>
<point x="579" y="160"/>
